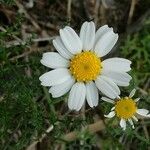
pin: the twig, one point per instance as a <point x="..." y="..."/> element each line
<point x="23" y="42"/>
<point x="83" y="117"/>
<point x="83" y="111"/>
<point x="108" y="4"/>
<point x="142" y="91"/>
<point x="47" y="95"/>
<point x="69" y="10"/>
<point x="21" y="55"/>
<point x="22" y="9"/>
<point x="49" y="25"/>
<point x="136" y="26"/>
<point x="26" y="58"/>
<point x="44" y="39"/>
<point x="147" y="84"/>
<point x="85" y="9"/>
<point x="92" y="128"/>
<point x="30" y="4"/>
<point x="15" y="37"/>
<point x="103" y="14"/>
<point x="28" y="52"/>
<point x="145" y="129"/>
<point x="131" y="12"/>
<point x="7" y="144"/>
<point x="31" y="50"/>
<point x="96" y="11"/>
<point x="33" y="145"/>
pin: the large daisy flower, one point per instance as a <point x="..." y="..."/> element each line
<point x="126" y="109"/>
<point x="78" y="66"/>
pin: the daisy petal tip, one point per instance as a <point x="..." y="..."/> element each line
<point x="130" y="78"/>
<point x="136" y="99"/>
<point x="132" y="93"/>
<point x="129" y="61"/>
<point x="123" y="129"/>
<point x="123" y="124"/>
<point x="77" y="96"/>
<point x="143" y="112"/>
<point x="105" y="116"/>
<point x="70" y="107"/>
<point x="92" y="23"/>
<point x="61" y="30"/>
<point x="135" y="118"/>
<point x="127" y="84"/>
<point x="43" y="84"/>
<point x="130" y="68"/>
<point x="41" y="61"/>
<point x="54" y="41"/>
<point x="92" y="94"/>
<point x="110" y="115"/>
<point x="51" y="92"/>
<point x="93" y="106"/>
<point x="41" y="78"/>
<point x="117" y="35"/>
<point x="77" y="109"/>
<point x="107" y="100"/>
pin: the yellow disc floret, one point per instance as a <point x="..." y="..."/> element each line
<point x="85" y="66"/>
<point x="125" y="108"/>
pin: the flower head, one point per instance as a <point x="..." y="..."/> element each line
<point x="126" y="109"/>
<point x="78" y="66"/>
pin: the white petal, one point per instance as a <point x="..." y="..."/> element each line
<point x="108" y="100"/>
<point x="87" y="35"/>
<point x="55" y="77"/>
<point x="120" y="78"/>
<point x="101" y="31"/>
<point x="131" y="123"/>
<point x="60" y="47"/>
<point x="107" y="87"/>
<point x="71" y="40"/>
<point x="116" y="64"/>
<point x="77" y="96"/>
<point x="110" y="115"/>
<point x="54" y="60"/>
<point x="61" y="89"/>
<point x="136" y="99"/>
<point x="123" y="124"/>
<point x="92" y="94"/>
<point x="134" y="118"/>
<point x="132" y="93"/>
<point x="142" y="112"/>
<point x="113" y="108"/>
<point x="106" y="43"/>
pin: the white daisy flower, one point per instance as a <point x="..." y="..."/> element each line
<point x="126" y="109"/>
<point x="78" y="66"/>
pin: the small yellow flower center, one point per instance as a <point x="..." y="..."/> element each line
<point x="125" y="108"/>
<point x="85" y="66"/>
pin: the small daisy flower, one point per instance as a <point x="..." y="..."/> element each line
<point x="78" y="66"/>
<point x="126" y="109"/>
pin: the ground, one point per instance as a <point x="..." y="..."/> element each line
<point x="28" y="111"/>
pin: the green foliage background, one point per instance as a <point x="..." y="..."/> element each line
<point x="27" y="109"/>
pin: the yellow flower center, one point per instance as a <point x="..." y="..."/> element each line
<point x="85" y="66"/>
<point x="125" y="108"/>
